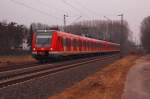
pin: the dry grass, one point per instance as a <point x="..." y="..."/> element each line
<point x="105" y="84"/>
<point x="15" y="59"/>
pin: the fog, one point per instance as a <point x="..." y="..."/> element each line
<point x="51" y="11"/>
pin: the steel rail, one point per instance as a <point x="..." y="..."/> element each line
<point x="9" y="78"/>
<point x="13" y="72"/>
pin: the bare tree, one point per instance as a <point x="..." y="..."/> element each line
<point x="117" y="32"/>
<point x="145" y="33"/>
<point x="11" y="35"/>
<point x="98" y="29"/>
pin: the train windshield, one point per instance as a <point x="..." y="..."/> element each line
<point x="43" y="39"/>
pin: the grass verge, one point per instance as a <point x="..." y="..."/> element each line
<point x="105" y="84"/>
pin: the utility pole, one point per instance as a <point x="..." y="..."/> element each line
<point x="65" y="21"/>
<point x="108" y="28"/>
<point x="121" y="34"/>
<point x="121" y="30"/>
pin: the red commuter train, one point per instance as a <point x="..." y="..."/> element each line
<point x="52" y="44"/>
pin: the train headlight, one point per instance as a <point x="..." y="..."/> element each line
<point x="34" y="49"/>
<point x="51" y="48"/>
<point x="42" y="48"/>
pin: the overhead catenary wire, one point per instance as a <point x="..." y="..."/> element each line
<point x="85" y="12"/>
<point x="35" y="9"/>
<point x="88" y="10"/>
<point x="72" y="6"/>
<point x="61" y="11"/>
<point x="75" y="20"/>
<point x="44" y="4"/>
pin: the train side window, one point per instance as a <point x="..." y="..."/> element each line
<point x="67" y="44"/>
<point x="71" y="40"/>
<point x="95" y="44"/>
<point x="74" y="43"/>
<point x="77" y="43"/>
<point x="87" y="44"/>
<point x="99" y="45"/>
<point x="64" y="41"/>
<point x="92" y="45"/>
<point x="84" y="44"/>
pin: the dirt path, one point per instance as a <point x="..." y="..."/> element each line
<point x="138" y="81"/>
<point x="105" y="84"/>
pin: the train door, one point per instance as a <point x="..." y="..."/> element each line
<point x="59" y="44"/>
<point x="71" y="40"/>
<point x="64" y="43"/>
<point x="90" y="46"/>
<point x="80" y="44"/>
<point x="67" y="44"/>
<point x="77" y="44"/>
<point x="87" y="45"/>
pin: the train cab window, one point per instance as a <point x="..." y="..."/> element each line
<point x="43" y="40"/>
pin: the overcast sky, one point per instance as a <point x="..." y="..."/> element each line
<point x="51" y="11"/>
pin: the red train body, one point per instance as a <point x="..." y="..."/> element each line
<point x="53" y="44"/>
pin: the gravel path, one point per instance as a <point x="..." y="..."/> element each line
<point x="137" y="85"/>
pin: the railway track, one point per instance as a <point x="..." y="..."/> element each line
<point x="17" y="66"/>
<point x="19" y="75"/>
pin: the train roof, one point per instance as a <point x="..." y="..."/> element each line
<point x="85" y="38"/>
<point x="76" y="36"/>
<point x="45" y="31"/>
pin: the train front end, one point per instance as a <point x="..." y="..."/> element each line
<point x="42" y="44"/>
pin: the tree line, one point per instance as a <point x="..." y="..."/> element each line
<point x="113" y="31"/>
<point x="12" y="34"/>
<point x="145" y="34"/>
